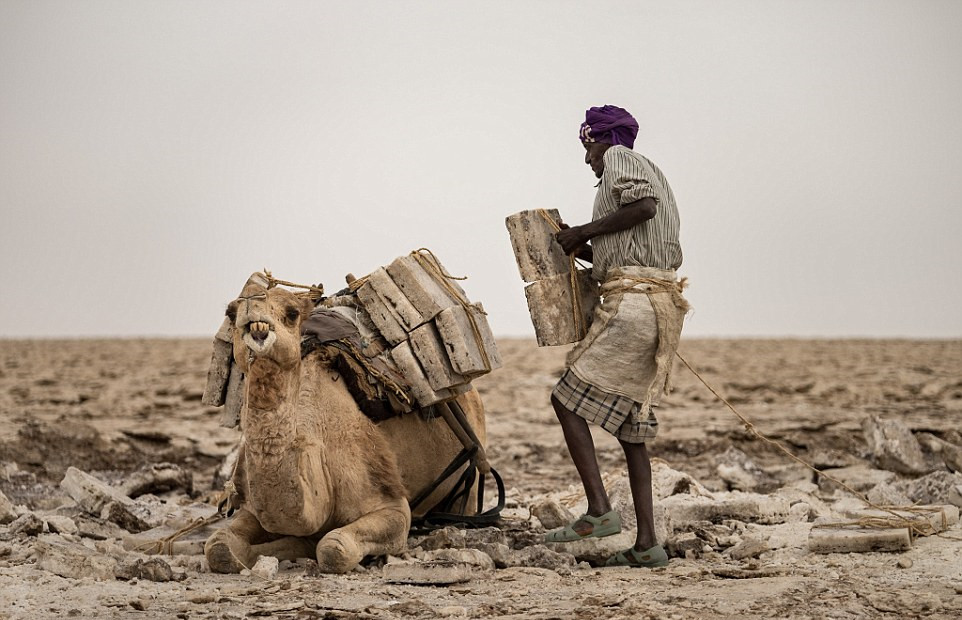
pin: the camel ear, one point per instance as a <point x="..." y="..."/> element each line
<point x="307" y="305"/>
<point x="231" y="311"/>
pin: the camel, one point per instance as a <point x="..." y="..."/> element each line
<point x="315" y="477"/>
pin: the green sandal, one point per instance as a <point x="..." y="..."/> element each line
<point x="605" y="525"/>
<point x="652" y="558"/>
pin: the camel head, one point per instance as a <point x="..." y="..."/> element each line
<point x="267" y="324"/>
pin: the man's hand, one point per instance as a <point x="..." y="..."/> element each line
<point x="571" y="238"/>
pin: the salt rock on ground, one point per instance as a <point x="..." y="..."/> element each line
<point x="474" y="557"/>
<point x="741" y="473"/>
<point x="540" y="556"/>
<point x="265" y="568"/>
<point x="949" y="453"/>
<point x="90" y="493"/>
<point x="749" y="548"/>
<point x="59" y="524"/>
<point x="8" y="511"/>
<point x="499" y="553"/>
<point x="859" y="477"/>
<point x="681" y="544"/>
<point x="73" y="560"/>
<point x="799" y="492"/>
<point x="27" y="524"/>
<point x="438" y="572"/>
<point x="939" y="487"/>
<point x="747" y="507"/>
<point x="151" y="569"/>
<point x="888" y="494"/>
<point x="894" y="447"/>
<point x="666" y="481"/>
<point x="551" y="514"/>
<point x="158" y="478"/>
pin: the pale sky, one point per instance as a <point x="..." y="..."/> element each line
<point x="154" y="154"/>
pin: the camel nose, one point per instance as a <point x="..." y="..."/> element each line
<point x="259" y="330"/>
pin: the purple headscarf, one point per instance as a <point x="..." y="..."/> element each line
<point x="609" y="125"/>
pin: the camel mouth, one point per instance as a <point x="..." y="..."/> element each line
<point x="259" y="336"/>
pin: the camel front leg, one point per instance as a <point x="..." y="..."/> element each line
<point x="379" y="532"/>
<point x="228" y="550"/>
<point x="286" y="548"/>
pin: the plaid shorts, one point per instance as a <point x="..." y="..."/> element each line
<point x="611" y="412"/>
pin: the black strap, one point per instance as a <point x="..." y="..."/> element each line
<point x="487" y="518"/>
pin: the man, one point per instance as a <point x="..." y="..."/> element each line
<point x="620" y="369"/>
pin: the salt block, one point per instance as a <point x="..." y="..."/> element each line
<point x="472" y="557"/>
<point x="826" y="539"/>
<point x="90" y="493"/>
<point x="858" y="477"/>
<point x="219" y="369"/>
<point x="939" y="518"/>
<point x="73" y="560"/>
<point x="436" y="572"/>
<point x="462" y="344"/>
<point x="395" y="299"/>
<point x="747" y="507"/>
<point x="151" y="569"/>
<point x="422" y="284"/>
<point x="427" y="347"/>
<point x="538" y="254"/>
<point x="551" y="514"/>
<point x="894" y="447"/>
<point x="266" y="567"/>
<point x="550" y="304"/>
<point x="416" y="378"/>
<point x="382" y="317"/>
<point x="233" y="398"/>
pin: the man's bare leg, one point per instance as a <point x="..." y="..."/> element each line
<point x="582" y="449"/>
<point x="639" y="478"/>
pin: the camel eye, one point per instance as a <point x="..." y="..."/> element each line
<point x="291" y="313"/>
<point x="231" y="311"/>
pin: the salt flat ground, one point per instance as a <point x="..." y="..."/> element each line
<point x="110" y="406"/>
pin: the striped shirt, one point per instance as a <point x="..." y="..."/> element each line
<point x="628" y="177"/>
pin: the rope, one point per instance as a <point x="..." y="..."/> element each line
<point x="432" y="266"/>
<point x="166" y="545"/>
<point x="916" y="526"/>
<point x="357" y="283"/>
<point x="314" y="291"/>
<point x="657" y="286"/>
<point x="361" y="359"/>
<point x="577" y="311"/>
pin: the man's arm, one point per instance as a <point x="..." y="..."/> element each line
<point x="574" y="238"/>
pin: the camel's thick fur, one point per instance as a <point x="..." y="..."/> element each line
<point x="315" y="476"/>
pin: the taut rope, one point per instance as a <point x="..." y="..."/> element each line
<point x="918" y="526"/>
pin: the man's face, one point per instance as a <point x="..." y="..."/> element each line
<point x="595" y="156"/>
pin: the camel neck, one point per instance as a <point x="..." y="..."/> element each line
<point x="270" y="417"/>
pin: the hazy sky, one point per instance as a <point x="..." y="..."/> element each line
<point x="153" y="154"/>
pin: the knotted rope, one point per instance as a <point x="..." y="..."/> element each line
<point x="577" y="311"/>
<point x="314" y="291"/>
<point x="166" y="544"/>
<point x="432" y="266"/>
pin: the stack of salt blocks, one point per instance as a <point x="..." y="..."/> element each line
<point x="225" y="381"/>
<point x="428" y="328"/>
<point x="543" y="263"/>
